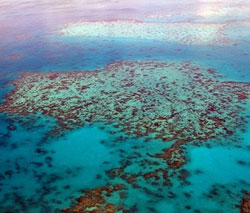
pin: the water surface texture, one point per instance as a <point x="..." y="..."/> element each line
<point x="125" y="106"/>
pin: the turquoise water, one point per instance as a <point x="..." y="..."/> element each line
<point x="42" y="172"/>
<point x="47" y="173"/>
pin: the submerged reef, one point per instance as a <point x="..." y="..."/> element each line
<point x="94" y="201"/>
<point x="166" y="104"/>
<point x="187" y="33"/>
<point x="245" y="205"/>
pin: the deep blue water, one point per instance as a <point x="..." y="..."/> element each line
<point x="93" y="53"/>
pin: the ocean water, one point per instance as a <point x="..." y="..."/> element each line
<point x="43" y="170"/>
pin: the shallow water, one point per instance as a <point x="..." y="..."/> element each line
<point x="153" y="119"/>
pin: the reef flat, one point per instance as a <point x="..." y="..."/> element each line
<point x="184" y="33"/>
<point x="170" y="105"/>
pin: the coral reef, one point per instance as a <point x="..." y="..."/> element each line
<point x="174" y="103"/>
<point x="171" y="101"/>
